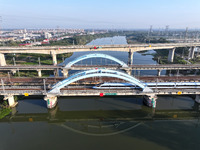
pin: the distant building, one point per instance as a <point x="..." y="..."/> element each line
<point x="47" y="35"/>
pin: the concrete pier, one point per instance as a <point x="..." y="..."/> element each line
<point x="130" y="57"/>
<point x="51" y="101"/>
<point x="11" y="100"/>
<point x="159" y="73"/>
<point x="171" y="55"/>
<point x="53" y="54"/>
<point x="150" y="100"/>
<point x="191" y="53"/>
<point x="197" y="99"/>
<point x="39" y="73"/>
<point x="65" y="72"/>
<point x="129" y="72"/>
<point x="2" y="60"/>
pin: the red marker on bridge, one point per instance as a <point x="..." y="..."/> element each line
<point x="101" y="94"/>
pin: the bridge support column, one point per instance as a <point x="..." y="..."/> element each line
<point x="11" y="100"/>
<point x="39" y="73"/>
<point x="52" y="113"/>
<point x="51" y="101"/>
<point x="129" y="72"/>
<point x="197" y="99"/>
<point x="191" y="53"/>
<point x="53" y="54"/>
<point x="159" y="73"/>
<point x="130" y="57"/>
<point x="65" y="72"/>
<point x="150" y="100"/>
<point x="13" y="71"/>
<point x="171" y="55"/>
<point x="2" y="60"/>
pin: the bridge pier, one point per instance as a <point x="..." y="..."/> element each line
<point x="171" y="55"/>
<point x="150" y="100"/>
<point x="130" y="57"/>
<point x="13" y="71"/>
<point x="51" y="101"/>
<point x="159" y="73"/>
<point x="197" y="99"/>
<point x="11" y="100"/>
<point x="39" y="73"/>
<point x="65" y="72"/>
<point x="53" y="54"/>
<point x="129" y="72"/>
<point x="2" y="60"/>
<point x="191" y="53"/>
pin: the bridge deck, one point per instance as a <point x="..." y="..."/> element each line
<point x="88" y="67"/>
<point x="79" y="48"/>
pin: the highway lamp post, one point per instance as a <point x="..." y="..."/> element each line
<point x="138" y="73"/>
<point x="2" y="83"/>
<point x="158" y="60"/>
<point x="9" y="77"/>
<point x="45" y="90"/>
<point x="39" y="61"/>
<point x="14" y="61"/>
<point x="18" y="72"/>
<point x="156" y="84"/>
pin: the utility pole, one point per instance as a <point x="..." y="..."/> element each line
<point x="186" y="34"/>
<point x="149" y="33"/>
<point x="197" y="36"/>
<point x="2" y="84"/>
<point x="39" y="61"/>
<point x="167" y="30"/>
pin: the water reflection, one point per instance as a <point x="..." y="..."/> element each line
<point x="140" y="127"/>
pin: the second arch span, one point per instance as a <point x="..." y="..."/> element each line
<point x="96" y="55"/>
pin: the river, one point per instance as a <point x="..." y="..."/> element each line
<point x="108" y="123"/>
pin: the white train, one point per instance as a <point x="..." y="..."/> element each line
<point x="161" y="85"/>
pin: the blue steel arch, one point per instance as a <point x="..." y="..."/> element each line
<point x="95" y="55"/>
<point x="97" y="73"/>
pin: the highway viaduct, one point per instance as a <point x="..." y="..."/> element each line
<point x="54" y="50"/>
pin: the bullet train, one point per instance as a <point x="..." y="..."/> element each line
<point x="160" y="85"/>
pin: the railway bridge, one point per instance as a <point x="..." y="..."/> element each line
<point x="61" y="88"/>
<point x="66" y="88"/>
<point x="119" y="66"/>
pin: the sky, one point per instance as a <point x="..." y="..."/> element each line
<point x="100" y="14"/>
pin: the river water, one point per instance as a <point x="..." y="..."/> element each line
<point x="108" y="123"/>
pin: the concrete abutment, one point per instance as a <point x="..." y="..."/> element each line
<point x="2" y="60"/>
<point x="11" y="100"/>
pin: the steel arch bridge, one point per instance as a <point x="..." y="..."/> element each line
<point x="98" y="73"/>
<point x="95" y="55"/>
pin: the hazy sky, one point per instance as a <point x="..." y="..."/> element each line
<point x="132" y="14"/>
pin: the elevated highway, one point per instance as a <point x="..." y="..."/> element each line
<point x="130" y="48"/>
<point x="81" y="48"/>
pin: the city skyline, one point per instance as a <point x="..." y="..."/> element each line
<point x="127" y="14"/>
